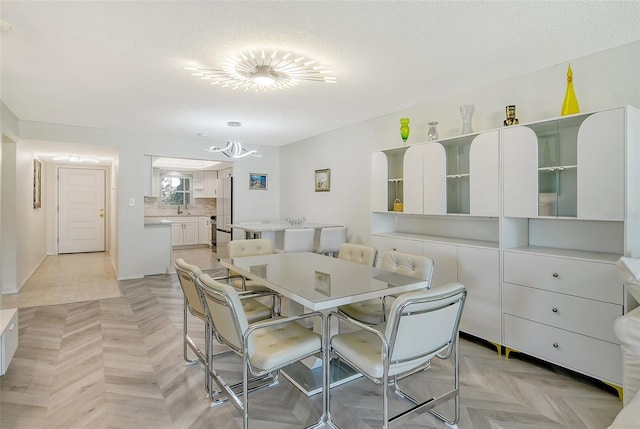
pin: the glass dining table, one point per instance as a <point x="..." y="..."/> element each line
<point x="320" y="283"/>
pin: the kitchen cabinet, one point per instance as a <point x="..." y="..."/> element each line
<point x="157" y="257"/>
<point x="205" y="183"/>
<point x="184" y="231"/>
<point x="151" y="178"/>
<point x="204" y="230"/>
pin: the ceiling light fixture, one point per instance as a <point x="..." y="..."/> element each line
<point x="233" y="150"/>
<point x="249" y="71"/>
<point x="75" y="158"/>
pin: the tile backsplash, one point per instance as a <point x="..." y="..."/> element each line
<point x="200" y="207"/>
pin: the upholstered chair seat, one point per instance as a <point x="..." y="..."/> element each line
<point x="358" y="253"/>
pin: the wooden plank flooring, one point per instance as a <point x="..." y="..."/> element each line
<point x="117" y="363"/>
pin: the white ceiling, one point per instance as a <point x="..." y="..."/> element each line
<point x="120" y="65"/>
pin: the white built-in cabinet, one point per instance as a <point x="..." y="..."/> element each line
<point x="531" y="219"/>
<point x="151" y="178"/>
<point x="204" y="230"/>
<point x="184" y="231"/>
<point x="205" y="183"/>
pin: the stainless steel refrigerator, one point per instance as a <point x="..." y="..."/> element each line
<point x="224" y="211"/>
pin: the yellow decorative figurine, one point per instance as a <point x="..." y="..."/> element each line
<point x="570" y="103"/>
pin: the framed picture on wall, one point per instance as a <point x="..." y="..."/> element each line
<point x="257" y="181"/>
<point x="323" y="180"/>
<point x="37" y="184"/>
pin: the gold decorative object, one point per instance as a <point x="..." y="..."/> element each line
<point x="511" y="116"/>
<point x="570" y="103"/>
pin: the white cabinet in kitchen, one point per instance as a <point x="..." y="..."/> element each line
<point x="204" y="230"/>
<point x="184" y="231"/>
<point x="151" y="178"/>
<point x="205" y="183"/>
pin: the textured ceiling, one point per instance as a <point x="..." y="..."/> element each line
<point x="120" y="65"/>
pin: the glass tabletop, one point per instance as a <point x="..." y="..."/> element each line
<point x="321" y="282"/>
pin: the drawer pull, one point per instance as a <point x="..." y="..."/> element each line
<point x="554" y="309"/>
<point x="556" y="275"/>
<point x="13" y="325"/>
<point x="555" y="345"/>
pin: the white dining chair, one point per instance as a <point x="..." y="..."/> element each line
<point x="265" y="347"/>
<point x="249" y="247"/>
<point x="253" y="309"/>
<point x="421" y="326"/>
<point x="297" y="240"/>
<point x="330" y="240"/>
<point x="373" y="311"/>
<point x="358" y="253"/>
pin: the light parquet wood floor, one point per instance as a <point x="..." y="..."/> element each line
<point x="117" y="363"/>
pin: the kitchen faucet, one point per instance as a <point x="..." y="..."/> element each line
<point x="180" y="208"/>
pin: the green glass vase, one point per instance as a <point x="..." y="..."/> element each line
<point x="404" y="129"/>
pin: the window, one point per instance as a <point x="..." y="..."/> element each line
<point x="175" y="190"/>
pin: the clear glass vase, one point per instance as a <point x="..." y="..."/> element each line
<point x="466" y="112"/>
<point x="432" y="134"/>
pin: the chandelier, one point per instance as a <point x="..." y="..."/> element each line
<point x="263" y="72"/>
<point x="233" y="150"/>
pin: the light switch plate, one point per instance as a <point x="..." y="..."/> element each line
<point x="132" y="202"/>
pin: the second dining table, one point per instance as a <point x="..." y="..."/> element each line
<point x="320" y="283"/>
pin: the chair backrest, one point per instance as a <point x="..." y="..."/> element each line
<point x="225" y="312"/>
<point x="424" y="323"/>
<point x="298" y="240"/>
<point x="258" y="246"/>
<point x="187" y="275"/>
<point x="331" y="239"/>
<point x="358" y="253"/>
<point x="405" y="263"/>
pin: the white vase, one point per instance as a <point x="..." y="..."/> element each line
<point x="467" y="112"/>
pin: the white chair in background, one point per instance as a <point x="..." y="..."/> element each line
<point x="358" y="253"/>
<point x="240" y="248"/>
<point x="421" y="326"/>
<point x="330" y="240"/>
<point x="297" y="240"/>
<point x="373" y="311"/>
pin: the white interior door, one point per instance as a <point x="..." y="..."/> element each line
<point x="81" y="210"/>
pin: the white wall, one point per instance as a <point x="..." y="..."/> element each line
<point x="603" y="80"/>
<point x="128" y="180"/>
<point x="23" y="227"/>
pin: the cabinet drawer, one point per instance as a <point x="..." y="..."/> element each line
<point x="8" y="339"/>
<point x="584" y="316"/>
<point x="595" y="280"/>
<point x="596" y="358"/>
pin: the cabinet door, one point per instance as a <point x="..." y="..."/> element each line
<point x="479" y="272"/>
<point x="210" y="183"/>
<point x="484" y="175"/>
<point x="191" y="233"/>
<point x="601" y="166"/>
<point x="204" y="233"/>
<point x="413" y="180"/>
<point x="435" y="179"/>
<point x="520" y="172"/>
<point x="176" y="234"/>
<point x="379" y="182"/>
<point x="445" y="259"/>
<point x="148" y="176"/>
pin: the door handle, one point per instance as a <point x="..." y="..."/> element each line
<point x="101" y="214"/>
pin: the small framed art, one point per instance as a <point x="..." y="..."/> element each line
<point x="37" y="184"/>
<point x="323" y="180"/>
<point x="257" y="181"/>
